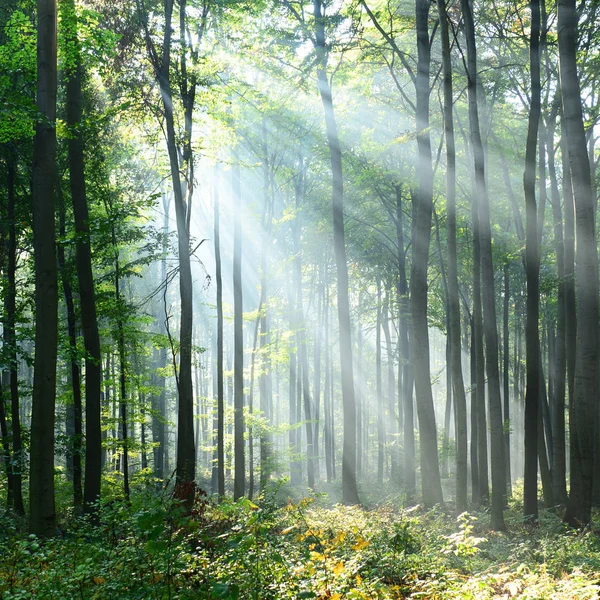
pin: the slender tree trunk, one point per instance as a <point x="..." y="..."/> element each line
<point x="487" y="272"/>
<point x="238" y="326"/>
<point x="532" y="267"/>
<point x="265" y="382"/>
<point x="506" y="382"/>
<point x="430" y="470"/>
<point x="317" y="390"/>
<point x="122" y="369"/>
<point x="6" y="454"/>
<point x="379" y="396"/>
<point x="87" y="298"/>
<point x="327" y="433"/>
<point x="560" y="356"/>
<point x="220" y="489"/>
<point x="10" y="343"/>
<point x="186" y="452"/>
<point x="448" y="409"/>
<point x="42" y="516"/>
<point x="407" y="378"/>
<point x="74" y="428"/>
<point x="391" y="421"/>
<point x="475" y="472"/>
<point x="349" y="490"/>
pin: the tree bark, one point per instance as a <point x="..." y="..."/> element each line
<point x="42" y="516"/>
<point x="460" y="400"/>
<point x="404" y="358"/>
<point x="220" y="366"/>
<point x="10" y="342"/>
<point x="583" y="408"/>
<point x="560" y="357"/>
<point x="532" y="268"/>
<point x="239" y="483"/>
<point x="74" y="413"/>
<point x="349" y="489"/>
<point x="87" y="298"/>
<point x="430" y="470"/>
<point x="487" y="272"/>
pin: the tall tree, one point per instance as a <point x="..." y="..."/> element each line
<point x="220" y="433"/>
<point x="161" y="63"/>
<point x="42" y="514"/>
<point x="238" y="343"/>
<point x="583" y="407"/>
<point x="490" y="329"/>
<point x="460" y="400"/>
<point x="430" y="470"/>
<point x="87" y="299"/>
<point x="349" y="489"/>
<point x="532" y="268"/>
<point x="10" y="339"/>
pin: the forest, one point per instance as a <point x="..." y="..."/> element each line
<point x="299" y="299"/>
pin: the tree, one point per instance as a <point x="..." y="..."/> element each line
<point x="161" y="63"/>
<point x="453" y="303"/>
<point x="349" y="489"/>
<point x="532" y="266"/>
<point x="583" y="407"/>
<point x="91" y="337"/>
<point x="487" y="271"/>
<point x="42" y="514"/>
<point x="430" y="470"/>
<point x="239" y="483"/>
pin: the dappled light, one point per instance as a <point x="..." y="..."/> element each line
<point x="299" y="299"/>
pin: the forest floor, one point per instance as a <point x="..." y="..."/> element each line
<point x="277" y="547"/>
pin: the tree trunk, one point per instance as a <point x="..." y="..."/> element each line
<point x="506" y="379"/>
<point x="430" y="470"/>
<point x="404" y="358"/>
<point x="349" y="490"/>
<point x="391" y="421"/>
<point x="239" y="483"/>
<point x="532" y="268"/>
<point x="87" y="298"/>
<point x="220" y="366"/>
<point x="10" y="343"/>
<point x="42" y="517"/>
<point x="186" y="452"/>
<point x="560" y="357"/>
<point x="74" y="413"/>
<point x="583" y="408"/>
<point x="487" y="272"/>
<point x="378" y="393"/>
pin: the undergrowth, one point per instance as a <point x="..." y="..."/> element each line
<point x="150" y="548"/>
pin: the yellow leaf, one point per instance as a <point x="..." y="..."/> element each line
<point x="360" y="544"/>
<point x="316" y="556"/>
<point x="358" y="579"/>
<point x="288" y="529"/>
<point x="338" y="569"/>
<point x="339" y="538"/>
<point x="336" y="596"/>
<point x="99" y="580"/>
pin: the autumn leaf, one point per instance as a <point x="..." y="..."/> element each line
<point x="338" y="569"/>
<point x="360" y="544"/>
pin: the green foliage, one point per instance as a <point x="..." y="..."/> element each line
<point x="151" y="548"/>
<point x="17" y="79"/>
